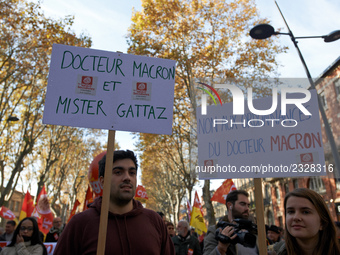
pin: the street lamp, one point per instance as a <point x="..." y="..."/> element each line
<point x="263" y="31"/>
<point x="12" y="118"/>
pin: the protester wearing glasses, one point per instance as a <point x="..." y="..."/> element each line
<point x="55" y="232"/>
<point x="25" y="240"/>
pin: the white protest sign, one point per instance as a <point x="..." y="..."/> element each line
<point x="253" y="146"/>
<point x="109" y="90"/>
<point x="50" y="247"/>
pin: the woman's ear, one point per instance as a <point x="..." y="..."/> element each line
<point x="321" y="227"/>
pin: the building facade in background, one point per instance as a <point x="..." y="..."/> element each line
<point x="14" y="204"/>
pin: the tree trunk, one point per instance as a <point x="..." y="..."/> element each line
<point x="208" y="204"/>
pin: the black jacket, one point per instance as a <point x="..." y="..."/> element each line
<point x="184" y="244"/>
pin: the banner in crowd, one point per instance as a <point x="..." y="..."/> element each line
<point x="27" y="206"/>
<point x="73" y="212"/>
<point x="189" y="210"/>
<point x="49" y="246"/>
<point x="43" y="212"/>
<point x="93" y="175"/>
<point x="88" y="198"/>
<point x="197" y="220"/>
<point x="6" y="213"/>
<point x="221" y="193"/>
<point x="141" y="194"/>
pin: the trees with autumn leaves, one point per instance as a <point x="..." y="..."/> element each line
<point x="31" y="151"/>
<point x="209" y="40"/>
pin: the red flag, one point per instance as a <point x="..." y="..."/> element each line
<point x="141" y="194"/>
<point x="27" y="206"/>
<point x="197" y="220"/>
<point x="197" y="203"/>
<point x="43" y="212"/>
<point x="6" y="213"/>
<point x="189" y="210"/>
<point x="73" y="212"/>
<point x="88" y="198"/>
<point x="221" y="193"/>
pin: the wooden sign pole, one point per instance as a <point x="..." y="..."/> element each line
<point x="261" y="229"/>
<point x="106" y="194"/>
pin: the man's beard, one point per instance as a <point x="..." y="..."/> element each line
<point x="237" y="215"/>
<point x="122" y="199"/>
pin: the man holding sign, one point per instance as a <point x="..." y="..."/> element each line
<point x="131" y="228"/>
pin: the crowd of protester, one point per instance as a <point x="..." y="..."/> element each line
<point x="26" y="238"/>
<point x="309" y="227"/>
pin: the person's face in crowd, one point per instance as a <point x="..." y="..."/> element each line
<point x="171" y="230"/>
<point x="57" y="223"/>
<point x="26" y="230"/>
<point x="9" y="229"/>
<point x="302" y="219"/>
<point x="241" y="207"/>
<point x="123" y="181"/>
<point x="273" y="236"/>
<point x="181" y="230"/>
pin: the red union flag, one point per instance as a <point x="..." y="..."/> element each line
<point x="141" y="194"/>
<point x="189" y="210"/>
<point x="27" y="206"/>
<point x="6" y="213"/>
<point x="221" y="193"/>
<point x="43" y="212"/>
<point x="88" y="198"/>
<point x="197" y="220"/>
<point x="73" y="212"/>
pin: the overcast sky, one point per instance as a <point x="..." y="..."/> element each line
<point x="107" y="21"/>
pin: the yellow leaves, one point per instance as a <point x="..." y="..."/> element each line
<point x="26" y="39"/>
<point x="209" y="40"/>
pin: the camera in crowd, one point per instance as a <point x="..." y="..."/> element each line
<point x="244" y="229"/>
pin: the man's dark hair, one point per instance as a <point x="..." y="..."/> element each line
<point x="118" y="155"/>
<point x="161" y="214"/>
<point x="232" y="197"/>
<point x="11" y="222"/>
<point x="274" y="229"/>
<point x="169" y="223"/>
